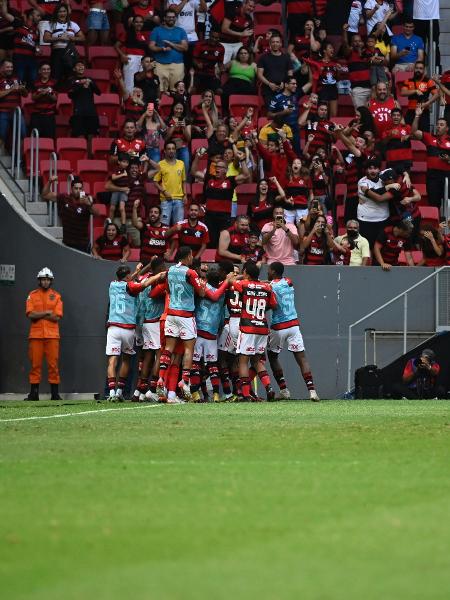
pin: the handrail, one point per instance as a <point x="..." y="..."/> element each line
<point x="16" y="143"/>
<point x="34" y="166"/>
<point x="53" y="206"/>
<point x="374" y="312"/>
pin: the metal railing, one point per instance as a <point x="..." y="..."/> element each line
<point x="403" y="295"/>
<point x="53" y="206"/>
<point x="16" y="143"/>
<point x="34" y="166"/>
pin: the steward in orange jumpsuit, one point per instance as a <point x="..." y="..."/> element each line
<point x="44" y="308"/>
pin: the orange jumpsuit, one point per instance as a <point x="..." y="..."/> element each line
<point x="44" y="334"/>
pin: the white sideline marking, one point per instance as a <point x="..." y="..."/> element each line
<point x="76" y="414"/>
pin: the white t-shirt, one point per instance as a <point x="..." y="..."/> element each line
<point x="426" y="9"/>
<point x="378" y="16"/>
<point x="186" y="18"/>
<point x="370" y="210"/>
<point x="57" y="29"/>
<point x="353" y="17"/>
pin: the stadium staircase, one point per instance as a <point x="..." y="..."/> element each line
<point x="444" y="24"/>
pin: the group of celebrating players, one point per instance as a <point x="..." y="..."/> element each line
<point x="192" y="328"/>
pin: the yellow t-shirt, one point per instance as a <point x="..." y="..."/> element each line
<point x="171" y="177"/>
<point x="267" y="132"/>
<point x="232" y="172"/>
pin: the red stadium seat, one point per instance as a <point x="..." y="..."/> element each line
<point x="240" y="102"/>
<point x="416" y="256"/>
<point x="242" y="209"/>
<point x="103" y="57"/>
<point x="92" y="171"/>
<point x="209" y="255"/>
<point x="101" y="147"/>
<point x="27" y="104"/>
<point x="63" y="170"/>
<point x="419" y="172"/>
<point x="246" y="192"/>
<point x="345" y="106"/>
<point x="99" y="186"/>
<point x="262" y="29"/>
<point x="340" y="193"/>
<point x="46" y="147"/>
<point x="102" y="210"/>
<point x="71" y="149"/>
<point x="267" y="15"/>
<point x="197" y="192"/>
<point x="340" y="215"/>
<point x="262" y="121"/>
<point x="422" y="189"/>
<point x="344" y="121"/>
<point x="62" y="126"/>
<point x="102" y="78"/>
<point x="429" y="214"/>
<point x="64" y="105"/>
<point x="135" y="255"/>
<point x="419" y="150"/>
<point x="200" y="143"/>
<point x="98" y="232"/>
<point x="108" y="105"/>
<point x="165" y="106"/>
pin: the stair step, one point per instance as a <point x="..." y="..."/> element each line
<point x="56" y="232"/>
<point x="37" y="208"/>
<point x="40" y="219"/>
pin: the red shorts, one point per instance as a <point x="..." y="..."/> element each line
<point x="179" y="346"/>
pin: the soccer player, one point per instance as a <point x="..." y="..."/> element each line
<point x="182" y="282"/>
<point x="285" y="328"/>
<point x="208" y="316"/>
<point x="123" y="302"/>
<point x="257" y="298"/>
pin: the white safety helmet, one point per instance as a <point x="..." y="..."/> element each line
<point x="45" y="272"/>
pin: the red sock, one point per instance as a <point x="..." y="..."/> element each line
<point x="173" y="377"/>
<point x="265" y="379"/>
<point x="142" y="385"/>
<point x="214" y="374"/>
<point x="245" y="387"/>
<point x="121" y="383"/>
<point x="185" y="374"/>
<point x="279" y="378"/>
<point x="195" y="377"/>
<point x="309" y="380"/>
<point x="111" y="383"/>
<point x="164" y="363"/>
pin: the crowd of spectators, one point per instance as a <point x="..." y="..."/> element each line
<point x="230" y="136"/>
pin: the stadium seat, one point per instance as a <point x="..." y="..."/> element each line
<point x="165" y="106"/>
<point x="419" y="150"/>
<point x="102" y="78"/>
<point x="92" y="171"/>
<point x="242" y="209"/>
<point x="429" y="214"/>
<point x="262" y="29"/>
<point x="197" y="192"/>
<point x="64" y="105"/>
<point x="102" y="57"/>
<point x="102" y="210"/>
<point x="419" y="172"/>
<point x="246" y="192"/>
<point x="345" y="106"/>
<point x="135" y="255"/>
<point x="62" y="126"/>
<point x="63" y="170"/>
<point x="422" y="189"/>
<point x="340" y="192"/>
<point x="239" y="103"/>
<point x="340" y="215"/>
<point x="209" y="255"/>
<point x="344" y="121"/>
<point x="71" y="149"/>
<point x="101" y="147"/>
<point x="46" y="147"/>
<point x="99" y="187"/>
<point x="98" y="231"/>
<point x="267" y="15"/>
<point x="262" y="121"/>
<point x="108" y="105"/>
<point x="27" y="104"/>
<point x="416" y="255"/>
<point x="200" y="143"/>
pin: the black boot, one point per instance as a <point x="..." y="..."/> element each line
<point x="54" y="392"/>
<point x="34" y="392"/>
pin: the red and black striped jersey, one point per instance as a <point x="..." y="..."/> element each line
<point x="358" y="69"/>
<point x="391" y="245"/>
<point x="239" y="22"/>
<point x="193" y="236"/>
<point x="233" y="301"/>
<point x="317" y="251"/>
<point x="208" y="56"/>
<point x="321" y="130"/>
<point x="319" y="184"/>
<point x="257" y="298"/>
<point x="25" y="39"/>
<point x="447" y="248"/>
<point x="398" y="150"/>
<point x="137" y="192"/>
<point x="342" y="258"/>
<point x="302" y="46"/>
<point x="299" y="188"/>
<point x="135" y="147"/>
<point x="435" y="147"/>
<point x="111" y="249"/>
<point x="300" y="7"/>
<point x="9" y="102"/>
<point x="153" y="242"/>
<point x="75" y="216"/>
<point x="178" y="132"/>
<point x="132" y="110"/>
<point x="260" y="213"/>
<point x="238" y="241"/>
<point x="45" y="104"/>
<point x="219" y="195"/>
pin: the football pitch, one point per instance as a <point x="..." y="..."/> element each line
<point x="337" y="500"/>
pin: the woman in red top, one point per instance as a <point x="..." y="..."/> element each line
<point x="131" y="47"/>
<point x="111" y="245"/>
<point x="432" y="247"/>
<point x="304" y="45"/>
<point x="326" y="73"/>
<point x="317" y="244"/>
<point x="298" y="191"/>
<point x="260" y="209"/>
<point x="206" y="109"/>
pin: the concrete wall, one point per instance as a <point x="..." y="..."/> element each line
<point x="328" y="300"/>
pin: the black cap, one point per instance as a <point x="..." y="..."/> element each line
<point x="387" y="174"/>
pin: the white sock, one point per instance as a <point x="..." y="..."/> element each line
<point x="171" y="395"/>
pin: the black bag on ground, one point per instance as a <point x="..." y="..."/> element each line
<point x="368" y="382"/>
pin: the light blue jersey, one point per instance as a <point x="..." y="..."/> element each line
<point x="285" y="313"/>
<point x="122" y="306"/>
<point x="152" y="308"/>
<point x="209" y="314"/>
<point x="181" y="290"/>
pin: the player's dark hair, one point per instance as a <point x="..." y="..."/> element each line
<point x="196" y="263"/>
<point x="183" y="251"/>
<point x="277" y="268"/>
<point x="168" y="142"/>
<point x="252" y="269"/>
<point x="213" y="277"/>
<point x="76" y="180"/>
<point x="225" y="266"/>
<point x="157" y="264"/>
<point x="122" y="272"/>
<point x="396" y="110"/>
<point x="123" y="156"/>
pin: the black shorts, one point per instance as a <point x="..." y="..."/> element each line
<point x="328" y="93"/>
<point x="204" y="82"/>
<point x="84" y="125"/>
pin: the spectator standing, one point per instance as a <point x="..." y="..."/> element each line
<point x="276" y="158"/>
<point x="241" y="77"/>
<point x="171" y="183"/>
<point x="44" y="96"/>
<point x="358" y="68"/>
<point x="144" y="9"/>
<point x="61" y="32"/>
<point x="398" y="144"/>
<point x="373" y="215"/>
<point x="260" y="209"/>
<point x="191" y="231"/>
<point x="154" y="238"/>
<point x="119" y="180"/>
<point x="131" y="47"/>
<point x="11" y="90"/>
<point x="154" y="131"/>
<point x="326" y="75"/>
<point x="111" y="245"/>
<point x="355" y="17"/>
<point x="128" y="142"/>
<point x="168" y="44"/>
<point x="280" y="239"/>
<point x="75" y="210"/>
<point x="179" y="132"/>
<point x="97" y="23"/>
<point x="44" y="308"/>
<point x="285" y="106"/>
<point x="438" y="158"/>
<point x="360" y="253"/>
<point x="208" y="56"/>
<point x="187" y="11"/>
<point x="406" y="48"/>
<point x="234" y="241"/>
<point x="25" y="43"/>
<point x="419" y="90"/>
<point x="380" y="108"/>
<point x="273" y="68"/>
<point x="237" y="27"/>
<point x="390" y="242"/>
<point x="376" y="11"/>
<point x="425" y="11"/>
<point x="84" y="120"/>
<point x="147" y="81"/>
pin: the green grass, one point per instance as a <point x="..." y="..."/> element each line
<point x="337" y="500"/>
